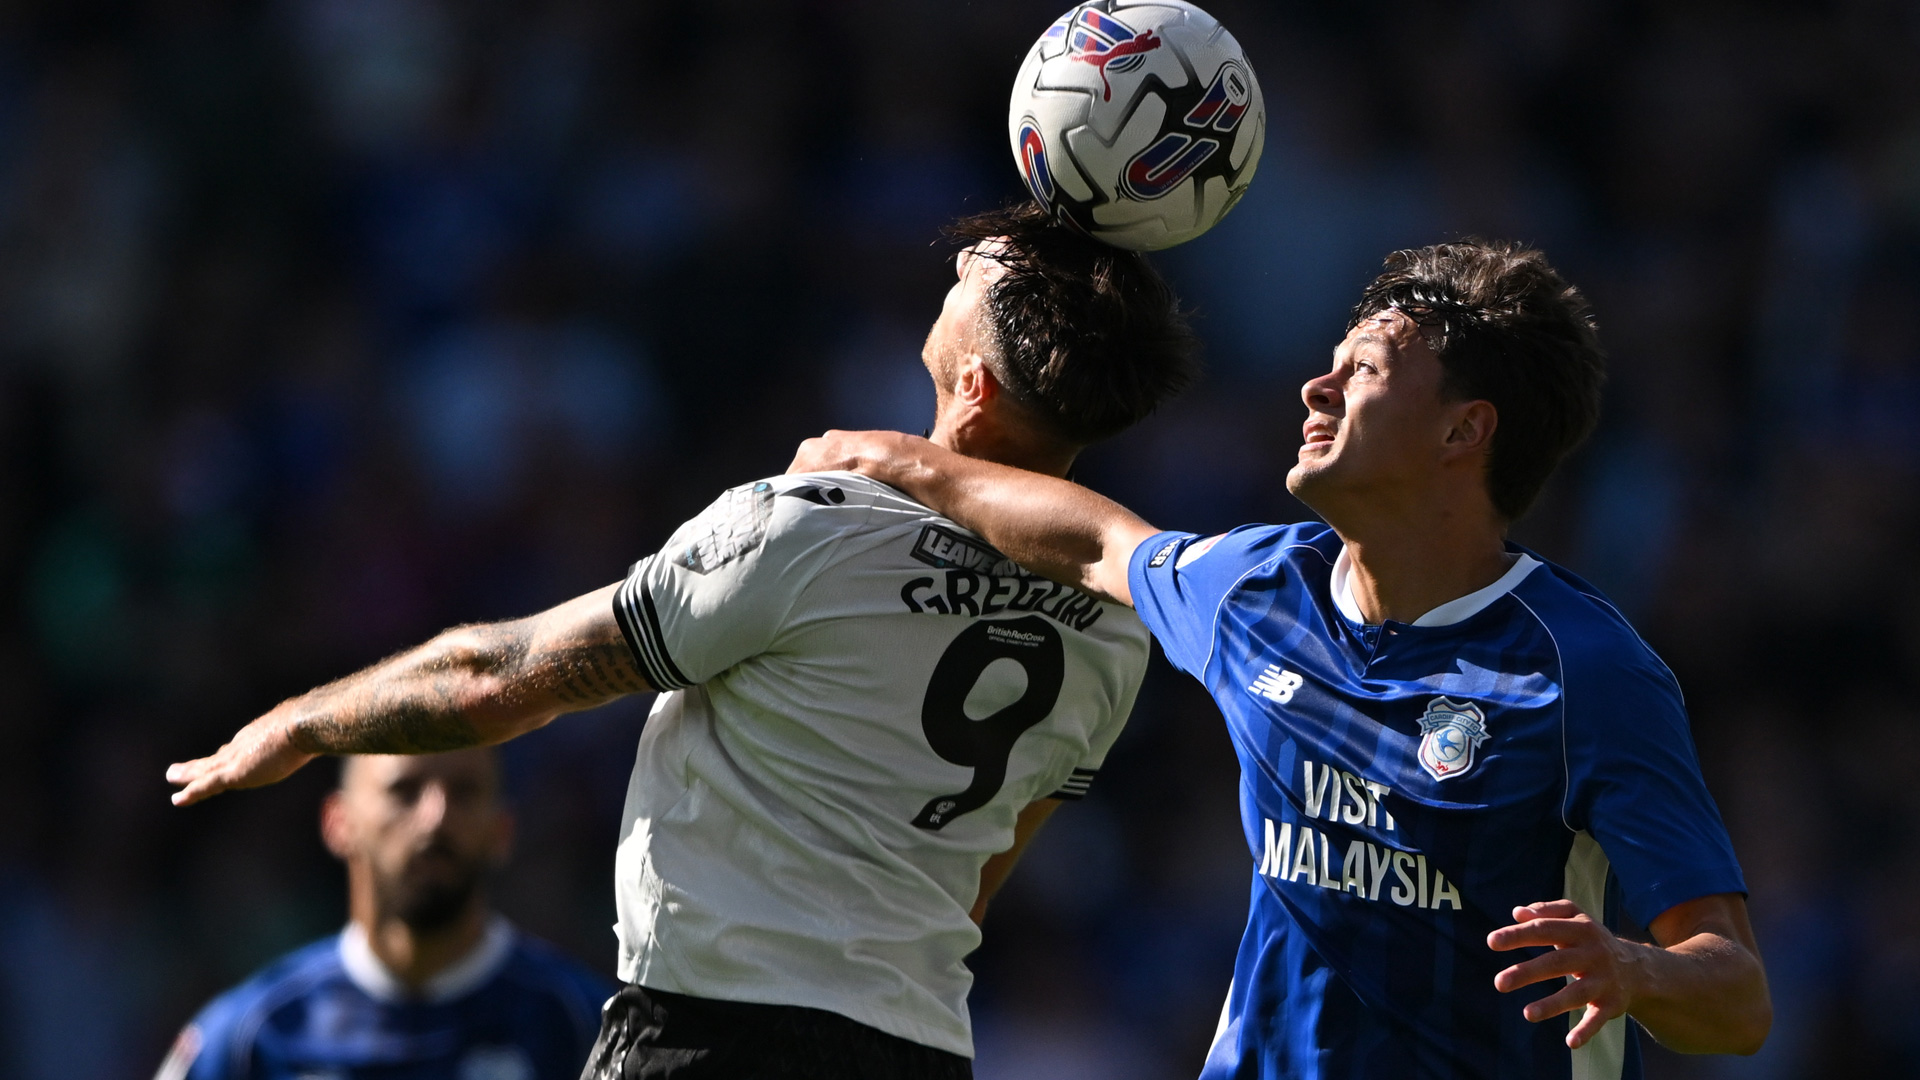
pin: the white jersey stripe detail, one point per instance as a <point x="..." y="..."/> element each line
<point x="1605" y="1055"/>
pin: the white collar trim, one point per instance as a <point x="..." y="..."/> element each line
<point x="465" y="976"/>
<point x="1446" y="614"/>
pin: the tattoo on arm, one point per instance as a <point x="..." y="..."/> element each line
<point x="403" y="728"/>
<point x="413" y="703"/>
<point x="409" y="703"/>
<point x="591" y="674"/>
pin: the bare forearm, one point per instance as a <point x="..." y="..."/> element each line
<point x="439" y="696"/>
<point x="1053" y="527"/>
<point x="1705" y="995"/>
<point x="470" y="686"/>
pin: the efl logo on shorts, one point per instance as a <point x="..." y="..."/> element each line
<point x="1449" y="734"/>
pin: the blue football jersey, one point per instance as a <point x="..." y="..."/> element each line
<point x="515" y="1010"/>
<point x="1405" y="786"/>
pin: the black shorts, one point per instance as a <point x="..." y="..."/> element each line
<point x="654" y="1035"/>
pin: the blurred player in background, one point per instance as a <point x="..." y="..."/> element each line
<point x="866" y="712"/>
<point x="1449" y="748"/>
<point x="426" y="982"/>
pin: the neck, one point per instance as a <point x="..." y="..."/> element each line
<point x="413" y="956"/>
<point x="1406" y="567"/>
<point x="994" y="443"/>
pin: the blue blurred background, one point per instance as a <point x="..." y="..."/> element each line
<point x="328" y="323"/>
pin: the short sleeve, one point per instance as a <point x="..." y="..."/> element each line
<point x="1077" y="783"/>
<point x="1180" y="579"/>
<point x="1634" y="783"/>
<point x="720" y="590"/>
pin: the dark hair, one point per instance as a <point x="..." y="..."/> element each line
<point x="1512" y="332"/>
<point x="1091" y="339"/>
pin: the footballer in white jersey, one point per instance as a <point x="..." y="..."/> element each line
<point x="865" y="697"/>
<point x="866" y="712"/>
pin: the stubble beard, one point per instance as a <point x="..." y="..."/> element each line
<point x="429" y="904"/>
<point x="1304" y="478"/>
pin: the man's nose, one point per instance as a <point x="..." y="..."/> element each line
<point x="1322" y="394"/>
<point x="430" y="812"/>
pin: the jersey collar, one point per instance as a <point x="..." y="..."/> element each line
<point x="465" y="976"/>
<point x="1446" y="614"/>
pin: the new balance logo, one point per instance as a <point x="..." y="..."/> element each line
<point x="1276" y="684"/>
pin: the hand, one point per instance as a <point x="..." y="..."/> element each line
<point x="259" y="754"/>
<point x="1606" y="969"/>
<point x="873" y="453"/>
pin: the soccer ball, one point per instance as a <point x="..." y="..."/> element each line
<point x="1137" y="121"/>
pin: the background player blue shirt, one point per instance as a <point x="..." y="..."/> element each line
<point x="1405" y="786"/>
<point x="514" y="1009"/>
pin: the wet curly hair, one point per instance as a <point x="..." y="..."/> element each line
<point x="1089" y="338"/>
<point x="1509" y="330"/>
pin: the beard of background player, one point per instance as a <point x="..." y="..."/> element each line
<point x="434" y="889"/>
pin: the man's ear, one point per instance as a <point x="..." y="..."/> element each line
<point x="335" y="830"/>
<point x="974" y="382"/>
<point x="1471" y="432"/>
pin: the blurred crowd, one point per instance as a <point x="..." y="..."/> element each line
<point x="325" y="324"/>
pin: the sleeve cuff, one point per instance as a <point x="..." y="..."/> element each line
<point x="1151" y="554"/>
<point x="1680" y="888"/>
<point x="640" y="624"/>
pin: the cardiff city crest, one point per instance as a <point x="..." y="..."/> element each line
<point x="1449" y="734"/>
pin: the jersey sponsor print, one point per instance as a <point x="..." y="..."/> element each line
<point x="1405" y="786"/>
<point x="864" y="698"/>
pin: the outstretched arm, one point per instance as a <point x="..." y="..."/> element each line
<point x="1700" y="989"/>
<point x="1053" y="527"/>
<point x="469" y="686"/>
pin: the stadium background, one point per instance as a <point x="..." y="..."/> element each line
<point x="327" y="323"/>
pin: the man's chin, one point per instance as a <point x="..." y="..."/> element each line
<point x="1301" y="479"/>
<point x="433" y="902"/>
<point x="429" y="910"/>
<point x="1311" y="482"/>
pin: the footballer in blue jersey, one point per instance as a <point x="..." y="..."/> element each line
<point x="516" y="1009"/>
<point x="1460" y="765"/>
<point x="1407" y="785"/>
<point x="425" y="983"/>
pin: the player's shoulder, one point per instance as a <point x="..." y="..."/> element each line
<point x="286" y="977"/>
<point x="223" y="1025"/>
<point x="786" y="512"/>
<point x="1240" y="549"/>
<point x="809" y="508"/>
<point x="1590" y="632"/>
<point x="848" y="490"/>
<point x="804" y="502"/>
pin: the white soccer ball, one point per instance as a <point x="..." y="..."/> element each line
<point x="1138" y="122"/>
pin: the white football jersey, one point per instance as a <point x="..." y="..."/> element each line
<point x="863" y="697"/>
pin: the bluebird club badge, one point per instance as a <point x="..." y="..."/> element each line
<point x="1449" y="734"/>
